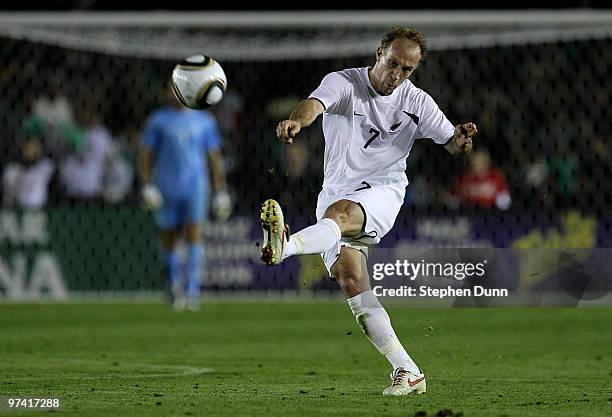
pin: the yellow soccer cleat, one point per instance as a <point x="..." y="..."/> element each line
<point x="275" y="233"/>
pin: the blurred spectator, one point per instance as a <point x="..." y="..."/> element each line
<point x="121" y="170"/>
<point x="118" y="176"/>
<point x="534" y="188"/>
<point x="26" y="182"/>
<point x="52" y="118"/>
<point x="82" y="172"/>
<point x="231" y="116"/>
<point x="563" y="172"/>
<point x="421" y="193"/>
<point x="39" y="82"/>
<point x="535" y="174"/>
<point x="301" y="182"/>
<point x="482" y="185"/>
<point x="54" y="107"/>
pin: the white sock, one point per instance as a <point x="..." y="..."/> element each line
<point x="317" y="238"/>
<point x="375" y="323"/>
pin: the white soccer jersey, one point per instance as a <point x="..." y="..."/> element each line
<point x="368" y="136"/>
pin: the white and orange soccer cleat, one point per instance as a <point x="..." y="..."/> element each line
<point x="275" y="233"/>
<point x="406" y="383"/>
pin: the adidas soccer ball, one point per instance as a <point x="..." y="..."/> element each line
<point x="198" y="82"/>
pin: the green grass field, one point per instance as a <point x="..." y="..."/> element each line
<point x="302" y="359"/>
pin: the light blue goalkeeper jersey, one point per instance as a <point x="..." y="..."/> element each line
<point x="181" y="140"/>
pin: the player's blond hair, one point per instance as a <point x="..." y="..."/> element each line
<point x="397" y="32"/>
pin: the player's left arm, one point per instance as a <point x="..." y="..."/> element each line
<point x="221" y="199"/>
<point x="435" y="125"/>
<point x="461" y="142"/>
<point x="211" y="141"/>
<point x="217" y="170"/>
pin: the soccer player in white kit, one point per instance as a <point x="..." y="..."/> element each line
<point x="371" y="118"/>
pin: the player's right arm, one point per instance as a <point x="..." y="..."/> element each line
<point x="146" y="164"/>
<point x="303" y="115"/>
<point x="151" y="196"/>
<point x="333" y="92"/>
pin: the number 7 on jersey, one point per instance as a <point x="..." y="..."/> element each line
<point x="374" y="136"/>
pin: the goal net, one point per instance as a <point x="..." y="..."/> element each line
<point x="537" y="84"/>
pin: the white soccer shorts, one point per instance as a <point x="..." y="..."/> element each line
<point x="381" y="205"/>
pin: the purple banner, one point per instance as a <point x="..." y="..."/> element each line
<point x="541" y="253"/>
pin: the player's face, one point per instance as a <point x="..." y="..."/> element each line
<point x="480" y="162"/>
<point x="394" y="65"/>
<point x="32" y="150"/>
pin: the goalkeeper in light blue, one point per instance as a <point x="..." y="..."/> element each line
<point x="179" y="148"/>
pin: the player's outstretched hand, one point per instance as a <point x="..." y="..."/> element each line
<point x="151" y="197"/>
<point x="287" y="129"/>
<point x="463" y="136"/>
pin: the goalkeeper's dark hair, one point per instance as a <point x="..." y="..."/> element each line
<point x="404" y="32"/>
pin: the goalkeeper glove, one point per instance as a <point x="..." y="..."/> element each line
<point x="151" y="197"/>
<point x="222" y="205"/>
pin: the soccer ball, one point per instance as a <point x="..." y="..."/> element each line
<point x="198" y="82"/>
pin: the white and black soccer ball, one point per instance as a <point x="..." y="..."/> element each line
<point x="198" y="82"/>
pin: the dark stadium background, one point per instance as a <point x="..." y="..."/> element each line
<point x="536" y="104"/>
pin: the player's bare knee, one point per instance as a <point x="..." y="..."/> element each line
<point x="349" y="273"/>
<point x="348" y="215"/>
<point x="337" y="212"/>
<point x="350" y="285"/>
